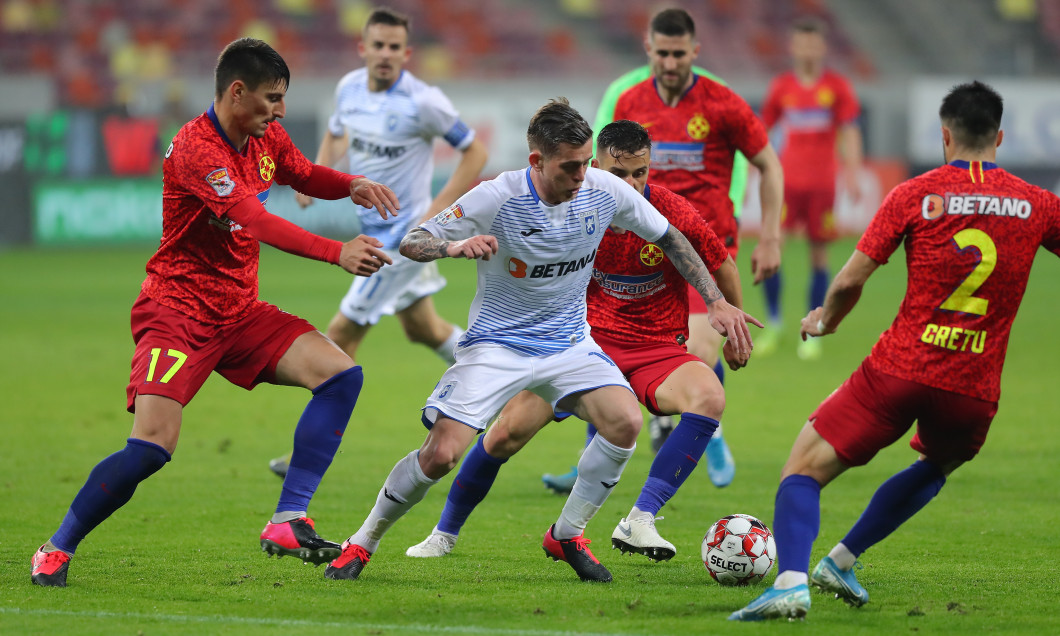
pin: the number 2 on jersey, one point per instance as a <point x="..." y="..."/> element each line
<point x="172" y="353"/>
<point x="962" y="299"/>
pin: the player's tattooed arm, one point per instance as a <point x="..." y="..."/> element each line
<point x="422" y="246"/>
<point x="687" y="261"/>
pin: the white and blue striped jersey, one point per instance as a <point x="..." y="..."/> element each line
<point x="531" y="294"/>
<point x="390" y="135"/>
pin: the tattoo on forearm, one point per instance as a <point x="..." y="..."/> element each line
<point x="687" y="261"/>
<point x="422" y="246"/>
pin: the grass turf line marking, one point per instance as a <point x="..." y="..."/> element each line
<point x="286" y="622"/>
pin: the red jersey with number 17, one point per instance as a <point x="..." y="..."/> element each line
<point x="971" y="232"/>
<point x="810" y="117"/>
<point x="636" y="294"/>
<point x="694" y="143"/>
<point x="206" y="265"/>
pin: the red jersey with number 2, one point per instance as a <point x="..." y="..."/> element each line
<point x="970" y="232"/>
<point x="693" y="143"/>
<point x="206" y="265"/>
<point x="636" y="294"/>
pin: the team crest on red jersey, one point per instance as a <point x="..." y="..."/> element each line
<point x="266" y="168"/>
<point x="651" y="255"/>
<point x="825" y="97"/>
<point x="221" y="183"/>
<point x="698" y="127"/>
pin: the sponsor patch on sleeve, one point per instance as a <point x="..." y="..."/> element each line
<point x="221" y="182"/>
<point x="448" y="215"/>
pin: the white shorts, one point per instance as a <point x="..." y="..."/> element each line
<point x="486" y="376"/>
<point x="390" y="290"/>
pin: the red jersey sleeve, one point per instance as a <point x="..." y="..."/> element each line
<point x="771" y="109"/>
<point x="887" y="229"/>
<point x="745" y="130"/>
<point x="847" y="108"/>
<point x="684" y="216"/>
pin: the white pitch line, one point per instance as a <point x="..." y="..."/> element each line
<point x="286" y="622"/>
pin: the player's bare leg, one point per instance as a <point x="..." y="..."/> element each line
<point x="694" y="393"/>
<point x="616" y="413"/>
<point x="423" y="325"/>
<point x="704" y="343"/>
<point x="405" y="486"/>
<point x="520" y="419"/>
<point x="156" y="428"/>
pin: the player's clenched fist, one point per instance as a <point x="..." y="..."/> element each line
<point x="362" y="256"/>
<point x="482" y="246"/>
<point x="369" y="194"/>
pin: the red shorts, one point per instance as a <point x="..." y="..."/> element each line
<point x="872" y="410"/>
<point x="175" y="353"/>
<point x="645" y="366"/>
<point x="812" y="210"/>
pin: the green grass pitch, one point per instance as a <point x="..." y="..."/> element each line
<point x="183" y="555"/>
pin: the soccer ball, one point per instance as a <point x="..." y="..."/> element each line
<point x="738" y="549"/>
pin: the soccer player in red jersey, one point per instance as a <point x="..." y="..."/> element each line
<point x="970" y="231"/>
<point x="696" y="126"/>
<point x="199" y="312"/>
<point x="817" y="111"/>
<point x="638" y="311"/>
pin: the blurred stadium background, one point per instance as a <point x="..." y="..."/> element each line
<point x="93" y="90"/>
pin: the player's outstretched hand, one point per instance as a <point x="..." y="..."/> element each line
<point x="303" y="200"/>
<point x="731" y="322"/>
<point x="362" y="256"/>
<point x="811" y="324"/>
<point x="733" y="359"/>
<point x="482" y="246"/>
<point x="369" y="194"/>
<point x="765" y="259"/>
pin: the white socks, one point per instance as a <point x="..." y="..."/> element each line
<point x="404" y="487"/>
<point x="599" y="468"/>
<point x="844" y="558"/>
<point x="789" y="579"/>
<point x="446" y="350"/>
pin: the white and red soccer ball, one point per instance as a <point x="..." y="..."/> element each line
<point x="738" y="550"/>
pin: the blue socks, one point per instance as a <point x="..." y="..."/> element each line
<point x="317" y="437"/>
<point x="474" y="479"/>
<point x="818" y="288"/>
<point x="109" y="486"/>
<point x="796" y="521"/>
<point x="895" y="501"/>
<point x="772" y="288"/>
<point x="675" y="461"/>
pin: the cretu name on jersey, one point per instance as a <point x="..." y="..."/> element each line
<point x="954" y="338"/>
<point x="518" y="268"/>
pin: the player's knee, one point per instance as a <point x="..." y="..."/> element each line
<point x="502" y="442"/>
<point x="623" y="427"/>
<point x="708" y="400"/>
<point x="439" y="460"/>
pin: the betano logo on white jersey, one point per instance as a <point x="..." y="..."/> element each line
<point x="390" y="136"/>
<point x="531" y="294"/>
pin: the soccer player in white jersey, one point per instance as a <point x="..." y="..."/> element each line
<point x="535" y="232"/>
<point x="384" y="125"/>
